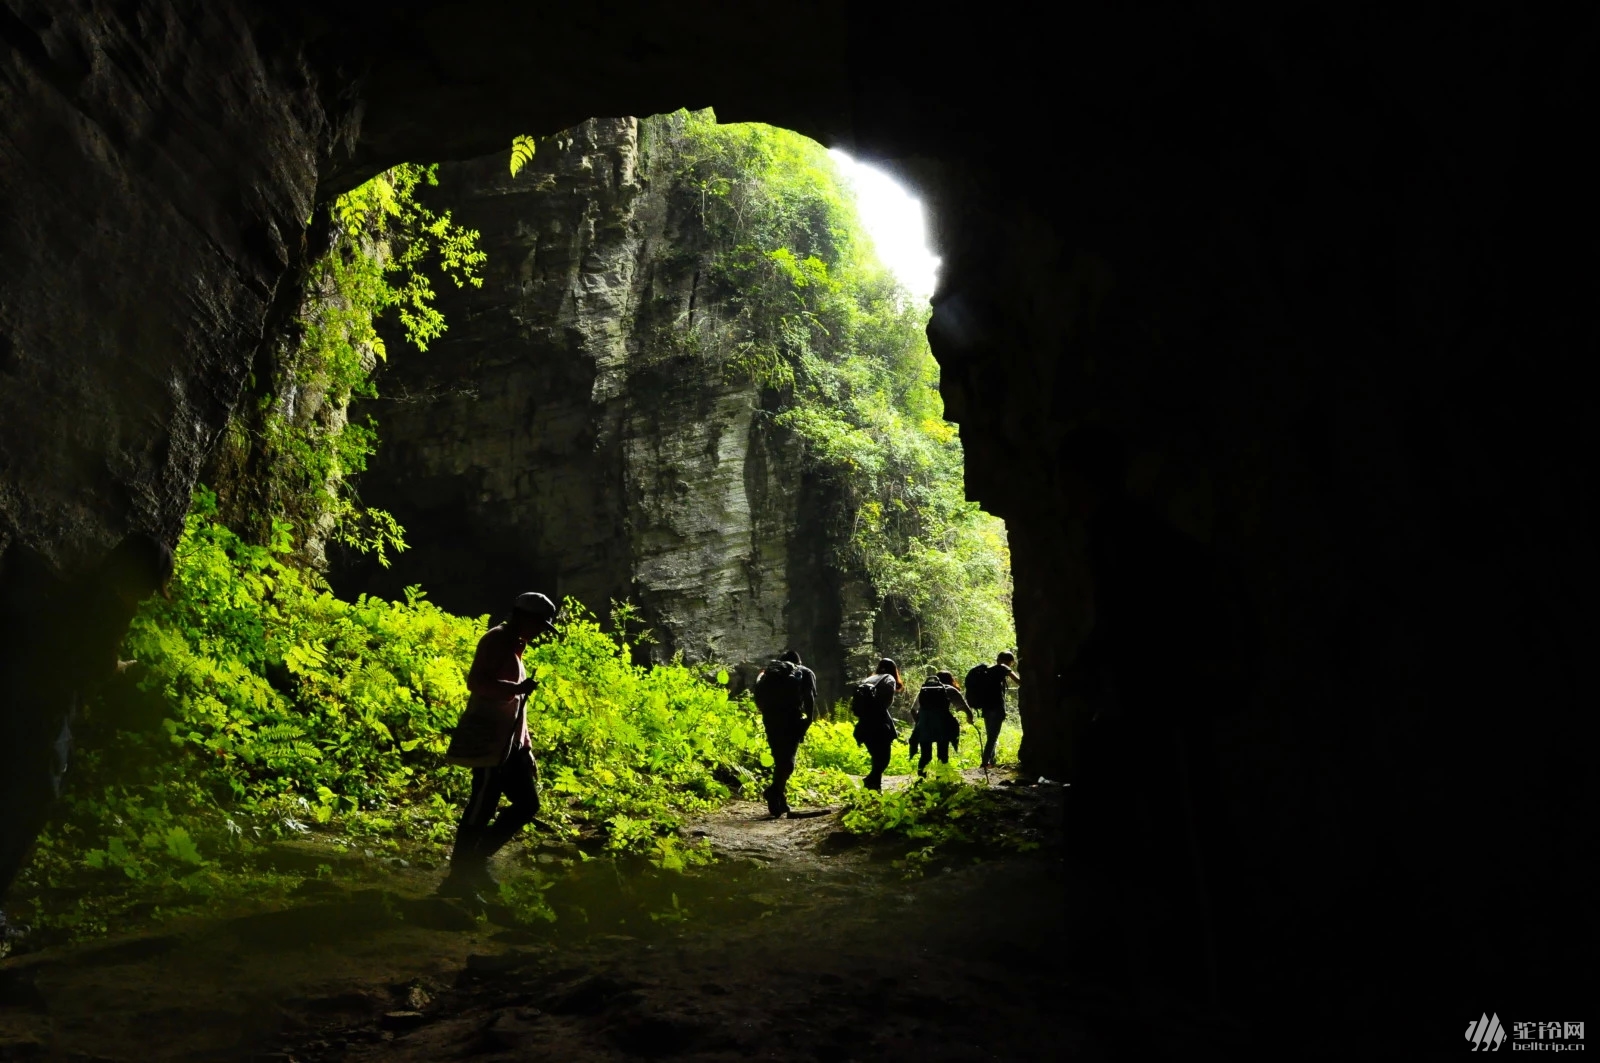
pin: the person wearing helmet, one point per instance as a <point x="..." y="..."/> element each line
<point x="492" y="739"/>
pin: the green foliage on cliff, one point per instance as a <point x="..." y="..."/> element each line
<point x="841" y="346"/>
<point x="265" y="708"/>
<point x="290" y="458"/>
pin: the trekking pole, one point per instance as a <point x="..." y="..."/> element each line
<point x="981" y="739"/>
<point x="983" y="755"/>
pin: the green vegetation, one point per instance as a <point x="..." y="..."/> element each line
<point x="264" y="709"/>
<point x="288" y="711"/>
<point x="285" y="712"/>
<point x="830" y="755"/>
<point x="840" y="345"/>
<point x="941" y="816"/>
<point x="522" y="149"/>
<point x="290" y="454"/>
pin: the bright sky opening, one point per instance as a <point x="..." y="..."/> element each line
<point x="894" y="219"/>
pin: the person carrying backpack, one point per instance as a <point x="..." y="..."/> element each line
<point x="936" y="724"/>
<point x="786" y="694"/>
<point x="986" y="692"/>
<point x="870" y="700"/>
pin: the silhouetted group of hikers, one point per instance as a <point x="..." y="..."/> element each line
<point x="492" y="735"/>
<point x="786" y="694"/>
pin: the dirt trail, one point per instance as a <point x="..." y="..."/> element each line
<point x="799" y="944"/>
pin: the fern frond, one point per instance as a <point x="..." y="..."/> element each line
<point x="521" y="153"/>
<point x="305" y="658"/>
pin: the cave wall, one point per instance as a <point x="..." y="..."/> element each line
<point x="574" y="430"/>
<point x="1325" y="273"/>
<point x="142" y="264"/>
<point x="157" y="167"/>
<point x="1317" y="277"/>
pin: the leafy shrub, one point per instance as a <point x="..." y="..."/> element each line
<point x="289" y="711"/>
<point x="830" y="745"/>
<point x="935" y="814"/>
<point x="634" y="747"/>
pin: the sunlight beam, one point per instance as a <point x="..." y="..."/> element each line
<point x="895" y="221"/>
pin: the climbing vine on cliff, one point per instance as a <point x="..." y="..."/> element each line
<point x="291" y="455"/>
<point x="840" y="347"/>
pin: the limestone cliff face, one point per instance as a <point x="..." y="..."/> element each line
<point x="573" y="430"/>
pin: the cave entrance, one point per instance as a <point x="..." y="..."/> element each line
<point x="684" y="388"/>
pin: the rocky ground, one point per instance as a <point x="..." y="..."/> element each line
<point x="800" y="943"/>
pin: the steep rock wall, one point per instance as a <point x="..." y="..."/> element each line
<point x="573" y="430"/>
<point x="157" y="167"/>
<point x="142" y="264"/>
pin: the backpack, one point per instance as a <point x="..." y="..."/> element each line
<point x="778" y="690"/>
<point x="864" y="698"/>
<point x="933" y="699"/>
<point x="873" y="721"/>
<point x="935" y="723"/>
<point x="983" y="691"/>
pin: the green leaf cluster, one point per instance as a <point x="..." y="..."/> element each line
<point x="522" y="149"/>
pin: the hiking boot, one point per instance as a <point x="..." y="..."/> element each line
<point x="455" y="886"/>
<point x="468" y="883"/>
